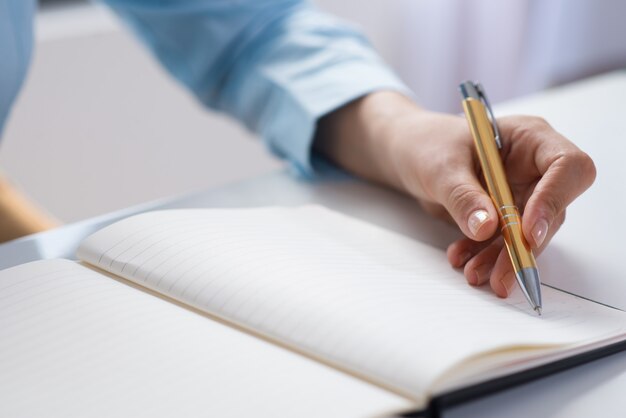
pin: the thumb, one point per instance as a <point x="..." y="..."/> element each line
<point x="469" y="205"/>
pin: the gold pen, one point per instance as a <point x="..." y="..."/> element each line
<point x="488" y="143"/>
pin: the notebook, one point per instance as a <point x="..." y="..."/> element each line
<point x="283" y="311"/>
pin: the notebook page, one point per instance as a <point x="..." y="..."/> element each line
<point x="359" y="297"/>
<point x="75" y="343"/>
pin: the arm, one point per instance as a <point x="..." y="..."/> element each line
<point x="275" y="65"/>
<point x="285" y="70"/>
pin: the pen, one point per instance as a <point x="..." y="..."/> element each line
<point x="488" y="143"/>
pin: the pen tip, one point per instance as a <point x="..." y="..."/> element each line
<point x="538" y="310"/>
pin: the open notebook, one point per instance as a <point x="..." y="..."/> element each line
<point x="282" y="311"/>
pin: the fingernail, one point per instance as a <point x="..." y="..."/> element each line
<point x="472" y="279"/>
<point x="481" y="274"/>
<point x="508" y="282"/>
<point x="539" y="231"/>
<point x="476" y="220"/>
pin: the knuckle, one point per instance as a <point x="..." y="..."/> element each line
<point x="525" y="127"/>
<point x="587" y="167"/>
<point x="461" y="198"/>
<point x="539" y="123"/>
<point x="554" y="204"/>
<point x="535" y="123"/>
<point x="582" y="167"/>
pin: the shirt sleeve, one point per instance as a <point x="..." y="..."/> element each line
<point x="276" y="65"/>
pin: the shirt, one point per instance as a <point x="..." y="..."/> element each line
<point x="275" y="65"/>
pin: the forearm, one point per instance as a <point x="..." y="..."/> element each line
<point x="277" y="65"/>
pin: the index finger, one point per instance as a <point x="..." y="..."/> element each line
<point x="566" y="172"/>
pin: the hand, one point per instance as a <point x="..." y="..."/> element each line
<point x="386" y="138"/>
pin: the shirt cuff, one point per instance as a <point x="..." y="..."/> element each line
<point x="291" y="135"/>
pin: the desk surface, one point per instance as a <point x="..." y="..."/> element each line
<point x="590" y="113"/>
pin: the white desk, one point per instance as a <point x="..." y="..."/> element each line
<point x="590" y="113"/>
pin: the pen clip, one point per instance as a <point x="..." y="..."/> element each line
<point x="483" y="98"/>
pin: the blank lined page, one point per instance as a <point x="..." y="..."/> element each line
<point x="75" y="343"/>
<point x="357" y="296"/>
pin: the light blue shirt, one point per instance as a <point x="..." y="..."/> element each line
<point x="16" y="42"/>
<point x="276" y="65"/>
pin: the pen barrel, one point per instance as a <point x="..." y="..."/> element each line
<point x="519" y="251"/>
<point x="495" y="178"/>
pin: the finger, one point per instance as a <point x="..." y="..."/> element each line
<point x="479" y="258"/>
<point x="502" y="280"/>
<point x="565" y="171"/>
<point x="564" y="180"/>
<point x="556" y="225"/>
<point x="467" y="202"/>
<point x="478" y="270"/>
<point x="462" y="250"/>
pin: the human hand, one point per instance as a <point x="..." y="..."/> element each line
<point x="386" y="138"/>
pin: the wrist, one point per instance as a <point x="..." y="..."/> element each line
<point x="360" y="135"/>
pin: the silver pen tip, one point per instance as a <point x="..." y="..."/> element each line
<point x="528" y="279"/>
